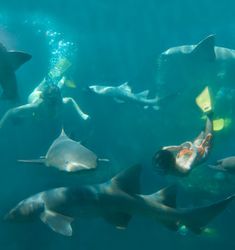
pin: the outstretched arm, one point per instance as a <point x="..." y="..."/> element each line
<point x="70" y="101"/>
<point x="186" y="144"/>
<point x="15" y="115"/>
<point x="172" y="148"/>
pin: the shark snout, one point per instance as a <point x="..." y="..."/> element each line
<point x="99" y="89"/>
<point x="93" y="89"/>
<point x="9" y="216"/>
<point x="13" y="214"/>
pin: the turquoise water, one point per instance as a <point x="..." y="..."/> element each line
<point x="111" y="42"/>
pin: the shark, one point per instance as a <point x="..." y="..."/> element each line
<point x="123" y="93"/>
<point x="117" y="201"/>
<point x="192" y="67"/>
<point x="10" y="61"/>
<point x="226" y="164"/>
<point x="68" y="155"/>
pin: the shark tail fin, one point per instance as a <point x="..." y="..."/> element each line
<point x="143" y="94"/>
<point x="167" y="98"/>
<point x="197" y="219"/>
<point x="17" y="58"/>
<point x="128" y="180"/>
<point x="36" y="161"/>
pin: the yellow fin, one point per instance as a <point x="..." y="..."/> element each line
<point x="70" y="84"/>
<point x="204" y="101"/>
<point x="61" y="66"/>
<point x="218" y="124"/>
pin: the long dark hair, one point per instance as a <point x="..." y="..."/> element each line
<point x="164" y="161"/>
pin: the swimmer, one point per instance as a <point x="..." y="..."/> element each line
<point x="180" y="159"/>
<point x="45" y="101"/>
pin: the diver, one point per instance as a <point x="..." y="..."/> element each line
<point x="180" y="159"/>
<point x="44" y="102"/>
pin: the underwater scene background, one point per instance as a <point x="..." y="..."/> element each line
<point x="109" y="43"/>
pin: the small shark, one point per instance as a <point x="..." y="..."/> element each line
<point x="227" y="165"/>
<point x="68" y="155"/>
<point x="10" y="61"/>
<point x="116" y="201"/>
<point x="196" y="66"/>
<point x="123" y="93"/>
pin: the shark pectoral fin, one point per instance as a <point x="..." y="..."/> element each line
<point x="119" y="220"/>
<point x="17" y="58"/>
<point x="36" y="161"/>
<point x="57" y="222"/>
<point x="103" y="160"/>
<point x="166" y="196"/>
<point x="205" y="49"/>
<point x="118" y="100"/>
<point x="143" y="94"/>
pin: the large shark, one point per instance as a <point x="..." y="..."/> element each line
<point x="10" y="61"/>
<point x="116" y="201"/>
<point x="123" y="93"/>
<point x="196" y="66"/>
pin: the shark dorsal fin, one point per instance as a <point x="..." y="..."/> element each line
<point x="125" y="87"/>
<point x="205" y="49"/>
<point x="166" y="196"/>
<point x="17" y="58"/>
<point x="63" y="133"/>
<point x="128" y="180"/>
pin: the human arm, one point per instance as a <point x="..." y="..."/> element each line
<point x="15" y="115"/>
<point x="172" y="148"/>
<point x="70" y="101"/>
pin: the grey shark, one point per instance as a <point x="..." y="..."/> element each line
<point x="116" y="201"/>
<point x="196" y="66"/>
<point x="68" y="155"/>
<point x="10" y="61"/>
<point x="123" y="93"/>
<point x="227" y="164"/>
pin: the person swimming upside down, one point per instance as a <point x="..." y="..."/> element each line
<point x="45" y="101"/>
<point x="179" y="160"/>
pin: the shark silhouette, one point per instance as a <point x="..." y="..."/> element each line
<point x="226" y="164"/>
<point x="196" y="66"/>
<point x="123" y="93"/>
<point x="10" y="61"/>
<point x="116" y="201"/>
